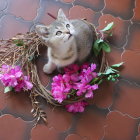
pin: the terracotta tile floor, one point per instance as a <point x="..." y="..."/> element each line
<point x="115" y="111"/>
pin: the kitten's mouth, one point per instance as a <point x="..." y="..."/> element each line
<point x="69" y="36"/>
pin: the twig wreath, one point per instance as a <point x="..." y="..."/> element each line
<point x="18" y="71"/>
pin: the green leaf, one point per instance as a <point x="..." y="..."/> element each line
<point x="96" y="52"/>
<point x="110" y="34"/>
<point x="97" y="47"/>
<point x="7" y="89"/>
<point x="19" y="42"/>
<point x="100" y="74"/>
<point x="109" y="71"/>
<point x="100" y="82"/>
<point x="105" y="46"/>
<point x="114" y="70"/>
<point x="96" y="44"/>
<point x="94" y="80"/>
<point x="117" y="65"/>
<point x="108" y="27"/>
<point x="113" y="79"/>
<point x="109" y="77"/>
<point x="99" y="41"/>
<point x="117" y="75"/>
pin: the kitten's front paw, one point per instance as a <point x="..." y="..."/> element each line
<point x="47" y="69"/>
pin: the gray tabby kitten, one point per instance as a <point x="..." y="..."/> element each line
<point x="67" y="40"/>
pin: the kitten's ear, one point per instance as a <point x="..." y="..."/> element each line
<point x="41" y="29"/>
<point x="61" y="15"/>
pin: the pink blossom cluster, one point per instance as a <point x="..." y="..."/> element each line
<point x="76" y="107"/>
<point x="75" y="78"/>
<point x="14" y="77"/>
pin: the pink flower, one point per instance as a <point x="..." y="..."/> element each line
<point x="86" y="89"/>
<point x="93" y="67"/>
<point x="71" y="69"/>
<point x="60" y="88"/>
<point x="88" y="74"/>
<point x="81" y="88"/>
<point x="90" y="89"/>
<point x="76" y="107"/>
<point x="75" y="78"/>
<point x="13" y="77"/>
<point x="84" y="66"/>
<point x="58" y="94"/>
<point x="28" y="84"/>
<point x="5" y="68"/>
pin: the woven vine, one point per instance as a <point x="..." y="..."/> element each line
<point x="23" y="50"/>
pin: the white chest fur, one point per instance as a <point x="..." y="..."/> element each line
<point x="63" y="57"/>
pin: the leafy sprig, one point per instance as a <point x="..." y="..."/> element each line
<point x="108" y="27"/>
<point x="101" y="43"/>
<point x="7" y="89"/>
<point x="111" y="74"/>
<point x="18" y="42"/>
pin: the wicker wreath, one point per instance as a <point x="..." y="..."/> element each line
<point x="23" y="50"/>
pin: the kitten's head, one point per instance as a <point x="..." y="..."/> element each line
<point x="57" y="34"/>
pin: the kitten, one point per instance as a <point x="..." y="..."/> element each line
<point x="68" y="41"/>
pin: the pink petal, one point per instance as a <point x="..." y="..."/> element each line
<point x="81" y="109"/>
<point x="18" y="74"/>
<point x="94" y="87"/>
<point x="93" y="67"/>
<point x="76" y="107"/>
<point x="29" y="85"/>
<point x="89" y="94"/>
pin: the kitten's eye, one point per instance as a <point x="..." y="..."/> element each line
<point x="58" y="33"/>
<point x="68" y="26"/>
<point x="46" y="34"/>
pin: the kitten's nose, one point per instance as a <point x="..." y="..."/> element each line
<point x="67" y="32"/>
<point x="70" y="35"/>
